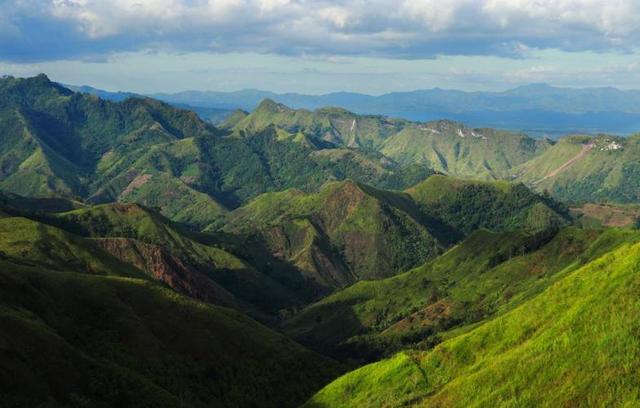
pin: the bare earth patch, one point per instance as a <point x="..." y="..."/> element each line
<point x="136" y="183"/>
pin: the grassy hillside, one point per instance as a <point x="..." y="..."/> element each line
<point x="71" y="339"/>
<point x="587" y="169"/>
<point x="454" y="149"/>
<point x="570" y="345"/>
<point x="485" y="275"/>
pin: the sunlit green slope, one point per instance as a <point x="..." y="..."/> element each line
<point x="575" y="344"/>
<point x="587" y="169"/>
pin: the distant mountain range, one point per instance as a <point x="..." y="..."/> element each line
<point x="536" y="109"/>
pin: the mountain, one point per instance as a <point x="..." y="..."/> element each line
<point x="343" y="233"/>
<point x="569" y="344"/>
<point x="536" y="109"/>
<point x="349" y="231"/>
<point x="60" y="143"/>
<point x="211" y="115"/>
<point x="487" y="274"/>
<point x="83" y="325"/>
<point x="576" y="168"/>
<point x="587" y="169"/>
<point x="149" y="258"/>
<point x="469" y="205"/>
<point x="443" y="146"/>
<point x="211" y="268"/>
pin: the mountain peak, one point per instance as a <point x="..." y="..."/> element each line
<point x="269" y="105"/>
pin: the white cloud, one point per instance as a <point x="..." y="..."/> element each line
<point x="396" y="28"/>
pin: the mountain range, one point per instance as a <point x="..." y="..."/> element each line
<point x="286" y="257"/>
<point x="537" y="109"/>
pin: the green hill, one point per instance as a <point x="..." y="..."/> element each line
<point x="484" y="275"/>
<point x="71" y="339"/>
<point x="587" y="169"/>
<point x="496" y="205"/>
<point x="444" y="146"/>
<point x="329" y="125"/>
<point x="349" y="231"/>
<point x="454" y="149"/>
<point x="574" y="344"/>
<point x="345" y="232"/>
<point x="90" y="315"/>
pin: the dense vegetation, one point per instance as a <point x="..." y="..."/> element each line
<point x="349" y="231"/>
<point x="81" y="327"/>
<point x="486" y="274"/>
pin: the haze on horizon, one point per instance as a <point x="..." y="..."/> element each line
<point x="322" y="46"/>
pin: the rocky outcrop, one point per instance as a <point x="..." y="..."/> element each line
<point x="169" y="269"/>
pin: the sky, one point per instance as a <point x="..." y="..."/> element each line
<point x="321" y="46"/>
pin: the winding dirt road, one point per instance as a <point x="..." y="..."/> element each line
<point x="583" y="152"/>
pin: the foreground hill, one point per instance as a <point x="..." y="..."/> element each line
<point x="84" y="324"/>
<point x="486" y="274"/>
<point x="573" y="344"/>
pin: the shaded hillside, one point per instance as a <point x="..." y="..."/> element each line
<point x="72" y="339"/>
<point x="569" y="345"/>
<point x="200" y="266"/>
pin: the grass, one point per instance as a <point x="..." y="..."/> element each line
<point x="486" y="275"/>
<point x="575" y="344"/>
<point x="602" y="175"/>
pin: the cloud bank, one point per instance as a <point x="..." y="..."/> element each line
<point x="40" y="30"/>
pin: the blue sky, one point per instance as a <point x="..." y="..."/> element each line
<point x="317" y="46"/>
